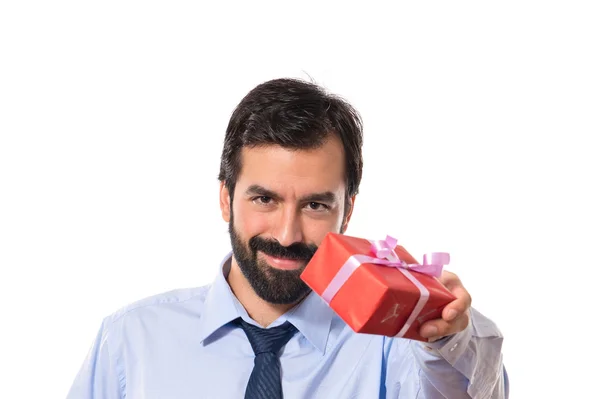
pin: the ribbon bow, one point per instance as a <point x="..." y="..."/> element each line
<point x="432" y="262"/>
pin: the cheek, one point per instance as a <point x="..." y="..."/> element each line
<point x="249" y="223"/>
<point x="316" y="230"/>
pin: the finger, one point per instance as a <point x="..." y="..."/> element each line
<point x="463" y="299"/>
<point x="459" y="306"/>
<point x="441" y="328"/>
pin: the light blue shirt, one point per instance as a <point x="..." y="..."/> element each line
<point x="181" y="345"/>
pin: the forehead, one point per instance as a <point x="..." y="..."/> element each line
<point x="294" y="172"/>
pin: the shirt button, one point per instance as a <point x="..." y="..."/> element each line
<point x="454" y="347"/>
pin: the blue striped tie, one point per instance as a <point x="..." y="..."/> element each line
<point x="265" y="380"/>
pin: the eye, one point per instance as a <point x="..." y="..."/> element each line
<point x="262" y="200"/>
<point x="317" y="206"/>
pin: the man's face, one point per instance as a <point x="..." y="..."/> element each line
<point x="284" y="204"/>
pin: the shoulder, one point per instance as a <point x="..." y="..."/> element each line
<point x="178" y="300"/>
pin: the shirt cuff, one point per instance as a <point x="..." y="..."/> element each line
<point x="453" y="346"/>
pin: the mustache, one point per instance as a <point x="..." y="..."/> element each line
<point x="296" y="251"/>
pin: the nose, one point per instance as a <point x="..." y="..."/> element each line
<point x="288" y="228"/>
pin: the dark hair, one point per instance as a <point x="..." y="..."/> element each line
<point x="292" y="114"/>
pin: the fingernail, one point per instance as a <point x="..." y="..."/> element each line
<point x="430" y="331"/>
<point x="452" y="314"/>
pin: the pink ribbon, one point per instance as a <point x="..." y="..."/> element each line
<point x="432" y="262"/>
<point x="384" y="253"/>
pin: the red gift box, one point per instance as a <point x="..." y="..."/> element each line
<point x="375" y="298"/>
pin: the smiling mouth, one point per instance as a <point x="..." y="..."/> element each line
<point x="283" y="263"/>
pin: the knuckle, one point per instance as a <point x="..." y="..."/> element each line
<point x="450" y="275"/>
<point x="468" y="299"/>
<point x="444" y="329"/>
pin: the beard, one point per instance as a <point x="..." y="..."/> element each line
<point x="271" y="284"/>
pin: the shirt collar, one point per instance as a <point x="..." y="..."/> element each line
<point x="312" y="317"/>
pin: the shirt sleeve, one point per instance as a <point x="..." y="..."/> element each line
<point x="98" y="377"/>
<point x="465" y="365"/>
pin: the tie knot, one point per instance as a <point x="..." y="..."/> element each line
<point x="268" y="339"/>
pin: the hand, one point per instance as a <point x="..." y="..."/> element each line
<point x="455" y="316"/>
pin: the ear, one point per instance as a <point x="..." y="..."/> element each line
<point x="349" y="215"/>
<point x="224" y="202"/>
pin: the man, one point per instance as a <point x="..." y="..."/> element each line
<point x="290" y="171"/>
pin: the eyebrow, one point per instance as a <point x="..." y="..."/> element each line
<point x="326" y="197"/>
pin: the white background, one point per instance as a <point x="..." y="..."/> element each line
<point x="479" y="140"/>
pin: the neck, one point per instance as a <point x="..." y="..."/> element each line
<point x="261" y="311"/>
